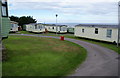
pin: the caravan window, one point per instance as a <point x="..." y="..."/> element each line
<point x="39" y="27"/>
<point x="109" y="33"/>
<point x="63" y="28"/>
<point x="35" y="26"/>
<point x="82" y="30"/>
<point x="60" y="29"/>
<point x="96" y="30"/>
<point x="52" y="27"/>
<point x="12" y="25"/>
<point x="16" y="25"/>
<point x="43" y="26"/>
<point x="4" y="9"/>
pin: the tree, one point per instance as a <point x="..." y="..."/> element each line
<point x="14" y="18"/>
<point x="23" y="20"/>
<point x="26" y="20"/>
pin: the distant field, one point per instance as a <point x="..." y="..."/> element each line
<point x="110" y="46"/>
<point x="34" y="56"/>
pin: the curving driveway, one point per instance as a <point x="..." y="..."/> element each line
<point x="99" y="62"/>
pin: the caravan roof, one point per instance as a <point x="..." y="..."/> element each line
<point x="55" y="25"/>
<point x="98" y="25"/>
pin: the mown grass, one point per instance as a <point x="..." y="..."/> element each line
<point x="103" y="44"/>
<point x="22" y="32"/>
<point x="33" y="56"/>
<point x="0" y="69"/>
<point x="110" y="46"/>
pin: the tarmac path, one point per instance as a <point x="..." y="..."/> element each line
<point x="100" y="61"/>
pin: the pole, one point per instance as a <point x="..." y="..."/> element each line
<point x="56" y="23"/>
<point x="118" y="24"/>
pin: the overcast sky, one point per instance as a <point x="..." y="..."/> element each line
<point x="69" y="11"/>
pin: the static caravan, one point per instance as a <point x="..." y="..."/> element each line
<point x="14" y="26"/>
<point x="70" y="30"/>
<point x="38" y="28"/>
<point x="56" y="28"/>
<point x="30" y="27"/>
<point x="35" y="27"/>
<point x="107" y="33"/>
<point x="4" y="21"/>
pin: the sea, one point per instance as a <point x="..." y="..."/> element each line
<point x="74" y="24"/>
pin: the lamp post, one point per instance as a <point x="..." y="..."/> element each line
<point x="118" y="24"/>
<point x="56" y="22"/>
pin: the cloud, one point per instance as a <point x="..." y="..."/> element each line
<point x="82" y="8"/>
<point x="75" y="7"/>
<point x="89" y="1"/>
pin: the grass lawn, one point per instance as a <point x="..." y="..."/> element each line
<point x="110" y="46"/>
<point x="34" y="56"/>
<point x="0" y="69"/>
<point x="22" y="32"/>
<point x="103" y="44"/>
<point x="107" y="45"/>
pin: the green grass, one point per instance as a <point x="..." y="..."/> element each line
<point x="110" y="46"/>
<point x="34" y="56"/>
<point x="103" y="44"/>
<point x="22" y="32"/>
<point x="0" y="69"/>
<point x="48" y="34"/>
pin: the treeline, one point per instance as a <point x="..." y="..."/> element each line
<point x="23" y="20"/>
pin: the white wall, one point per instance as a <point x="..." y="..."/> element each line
<point x="29" y="27"/>
<point x="40" y="28"/>
<point x="63" y="29"/>
<point x="14" y="27"/>
<point x="50" y="28"/>
<point x="89" y="32"/>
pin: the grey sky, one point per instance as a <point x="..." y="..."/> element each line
<point x="105" y="11"/>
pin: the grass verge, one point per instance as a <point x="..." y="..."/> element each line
<point x="110" y="46"/>
<point x="103" y="44"/>
<point x="33" y="56"/>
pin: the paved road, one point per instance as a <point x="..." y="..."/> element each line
<point x="99" y="62"/>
